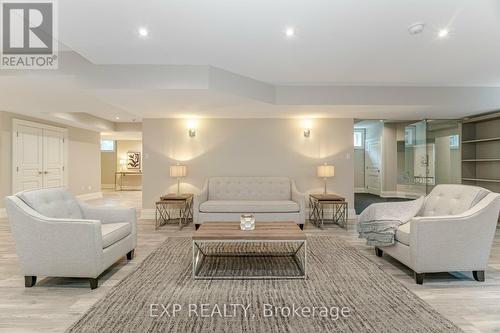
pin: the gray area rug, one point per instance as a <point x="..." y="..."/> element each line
<point x="344" y="292"/>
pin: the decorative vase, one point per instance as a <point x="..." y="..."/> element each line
<point x="247" y="222"/>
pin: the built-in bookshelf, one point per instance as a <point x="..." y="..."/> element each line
<point x="481" y="151"/>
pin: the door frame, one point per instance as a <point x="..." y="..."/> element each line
<point x="15" y="129"/>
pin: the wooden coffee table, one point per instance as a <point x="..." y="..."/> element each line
<point x="278" y="234"/>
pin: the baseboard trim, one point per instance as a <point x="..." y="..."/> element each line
<point x="89" y="196"/>
<point x="3" y="213"/>
<point x="107" y="186"/>
<point x="360" y="190"/>
<point x="149" y="214"/>
<point x="396" y="194"/>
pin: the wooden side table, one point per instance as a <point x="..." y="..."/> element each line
<point x="173" y="202"/>
<point x="317" y="204"/>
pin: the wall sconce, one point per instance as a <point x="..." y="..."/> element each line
<point x="191" y="125"/>
<point x="307" y="128"/>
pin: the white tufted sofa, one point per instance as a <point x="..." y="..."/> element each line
<point x="454" y="231"/>
<point x="269" y="198"/>
<point x="57" y="235"/>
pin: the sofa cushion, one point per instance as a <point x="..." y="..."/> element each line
<point x="113" y="232"/>
<point x="249" y="188"/>
<point x="403" y="234"/>
<point x="240" y="206"/>
<point x="54" y="202"/>
<point x="452" y="199"/>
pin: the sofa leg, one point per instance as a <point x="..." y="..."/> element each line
<point x="419" y="278"/>
<point x="29" y="281"/>
<point x="94" y="283"/>
<point x="196" y="226"/>
<point x="379" y="252"/>
<point x="478" y="275"/>
<point x="130" y="255"/>
<point x="301" y="226"/>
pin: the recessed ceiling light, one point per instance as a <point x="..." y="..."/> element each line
<point x="117" y="118"/>
<point x="443" y="33"/>
<point x="143" y="32"/>
<point x="290" y="32"/>
<point x="416" y="28"/>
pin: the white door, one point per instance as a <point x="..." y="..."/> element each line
<point x="53" y="158"/>
<point x="373" y="164"/>
<point x="39" y="156"/>
<point x="28" y="150"/>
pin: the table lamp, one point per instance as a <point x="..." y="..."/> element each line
<point x="178" y="171"/>
<point x="325" y="171"/>
<point x="122" y="164"/>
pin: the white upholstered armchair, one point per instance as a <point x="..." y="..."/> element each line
<point x="57" y="235"/>
<point x="453" y="232"/>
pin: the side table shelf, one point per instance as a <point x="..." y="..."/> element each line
<point x="319" y="202"/>
<point x="170" y="203"/>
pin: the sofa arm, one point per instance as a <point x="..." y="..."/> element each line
<point x="299" y="198"/>
<point x="55" y="247"/>
<point x="459" y="242"/>
<point x="198" y="200"/>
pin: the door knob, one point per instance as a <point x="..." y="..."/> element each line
<point x="45" y="172"/>
<point x="39" y="172"/>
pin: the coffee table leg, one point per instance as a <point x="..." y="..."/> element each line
<point x="301" y="264"/>
<point x="198" y="258"/>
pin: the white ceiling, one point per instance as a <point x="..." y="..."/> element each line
<point x="337" y="41"/>
<point x="230" y="58"/>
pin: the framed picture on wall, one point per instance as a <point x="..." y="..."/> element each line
<point x="133" y="160"/>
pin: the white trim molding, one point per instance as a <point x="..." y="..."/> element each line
<point x="360" y="190"/>
<point x="3" y="213"/>
<point x="107" y="186"/>
<point x="89" y="196"/>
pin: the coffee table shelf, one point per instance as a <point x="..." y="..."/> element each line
<point x="268" y="241"/>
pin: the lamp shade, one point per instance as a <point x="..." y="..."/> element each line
<point x="325" y="171"/>
<point x="178" y="171"/>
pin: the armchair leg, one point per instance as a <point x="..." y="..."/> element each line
<point x="130" y="255"/>
<point x="29" y="281"/>
<point x="301" y="226"/>
<point x="379" y="252"/>
<point x="196" y="226"/>
<point x="419" y="278"/>
<point x="93" y="283"/>
<point x="478" y="275"/>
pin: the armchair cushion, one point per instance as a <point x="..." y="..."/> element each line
<point x="403" y="234"/>
<point x="53" y="202"/>
<point x="452" y="199"/>
<point x="113" y="232"/>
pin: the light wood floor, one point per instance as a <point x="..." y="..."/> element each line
<point x="54" y="303"/>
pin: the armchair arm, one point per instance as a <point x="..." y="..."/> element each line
<point x="198" y="200"/>
<point x="55" y="247"/>
<point x="459" y="242"/>
<point x="299" y="198"/>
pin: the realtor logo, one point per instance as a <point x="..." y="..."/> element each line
<point x="29" y="39"/>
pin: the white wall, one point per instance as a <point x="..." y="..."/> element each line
<point x="247" y="147"/>
<point x="84" y="157"/>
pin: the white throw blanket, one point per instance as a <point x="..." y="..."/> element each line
<point x="378" y="222"/>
